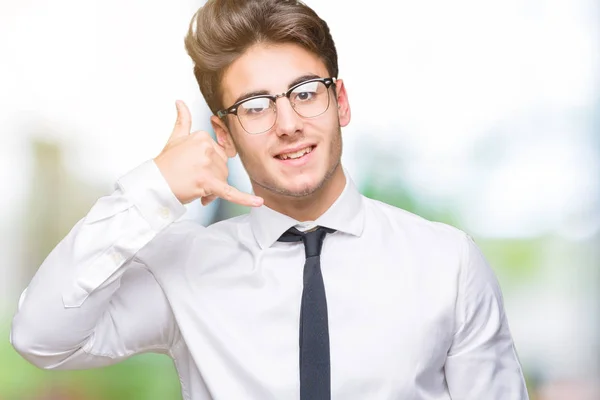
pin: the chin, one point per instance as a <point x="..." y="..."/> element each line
<point x="302" y="188"/>
<point x="305" y="184"/>
<point x="301" y="191"/>
<point x="295" y="184"/>
<point x="298" y="186"/>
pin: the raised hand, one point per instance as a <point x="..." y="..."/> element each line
<point x="195" y="166"/>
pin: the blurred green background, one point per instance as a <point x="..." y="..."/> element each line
<point x="485" y="115"/>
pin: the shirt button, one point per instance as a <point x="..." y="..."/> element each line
<point x="164" y="212"/>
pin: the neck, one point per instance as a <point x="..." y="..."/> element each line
<point x="310" y="207"/>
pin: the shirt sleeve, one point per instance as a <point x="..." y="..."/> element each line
<point x="482" y="362"/>
<point x="92" y="303"/>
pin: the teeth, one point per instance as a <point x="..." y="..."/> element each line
<point x="297" y="154"/>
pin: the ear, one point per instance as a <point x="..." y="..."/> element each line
<point x="343" y="105"/>
<point x="224" y="138"/>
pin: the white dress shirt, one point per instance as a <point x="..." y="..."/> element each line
<point x="415" y="312"/>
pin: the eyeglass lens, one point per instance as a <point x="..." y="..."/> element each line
<point x="258" y="115"/>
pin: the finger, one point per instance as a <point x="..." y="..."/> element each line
<point x="208" y="199"/>
<point x="229" y="193"/>
<point x="220" y="150"/>
<point x="205" y="136"/>
<point x="220" y="169"/>
<point x="183" y="124"/>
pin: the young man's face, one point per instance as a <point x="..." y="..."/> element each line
<point x="273" y="69"/>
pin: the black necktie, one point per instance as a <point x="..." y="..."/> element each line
<point x="315" y="376"/>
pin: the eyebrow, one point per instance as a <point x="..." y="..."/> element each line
<point x="254" y="93"/>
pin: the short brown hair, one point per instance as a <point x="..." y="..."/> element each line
<point x="222" y="30"/>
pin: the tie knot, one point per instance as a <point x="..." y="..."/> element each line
<point x="313" y="240"/>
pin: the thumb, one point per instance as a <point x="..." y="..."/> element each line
<point x="183" y="124"/>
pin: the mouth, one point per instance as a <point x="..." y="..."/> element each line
<point x="296" y="155"/>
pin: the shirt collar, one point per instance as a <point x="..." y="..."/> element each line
<point x="346" y="214"/>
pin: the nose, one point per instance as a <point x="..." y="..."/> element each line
<point x="288" y="121"/>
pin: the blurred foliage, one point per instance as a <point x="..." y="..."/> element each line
<point x="397" y="194"/>
<point x="147" y="377"/>
<point x="518" y="260"/>
<point x="59" y="199"/>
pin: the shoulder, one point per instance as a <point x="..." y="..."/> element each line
<point x="410" y="227"/>
<point x="183" y="236"/>
<point x="221" y="230"/>
<point x="229" y="229"/>
<point x="435" y="247"/>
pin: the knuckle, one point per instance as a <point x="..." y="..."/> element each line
<point x="209" y="151"/>
<point x="201" y="135"/>
<point x="202" y="193"/>
<point x="202" y="147"/>
<point x="204" y="164"/>
<point x="200" y="182"/>
<point x="228" y="192"/>
<point x="195" y="137"/>
<point x="225" y="171"/>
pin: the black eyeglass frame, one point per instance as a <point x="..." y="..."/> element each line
<point x="273" y="97"/>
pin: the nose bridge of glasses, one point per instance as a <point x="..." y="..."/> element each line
<point x="276" y="97"/>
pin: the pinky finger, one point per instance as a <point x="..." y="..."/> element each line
<point x="208" y="199"/>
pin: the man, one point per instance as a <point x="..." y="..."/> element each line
<point x="317" y="293"/>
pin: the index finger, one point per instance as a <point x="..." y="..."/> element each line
<point x="229" y="193"/>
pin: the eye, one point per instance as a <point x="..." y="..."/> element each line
<point x="305" y="92"/>
<point x="254" y="107"/>
<point x="303" y="96"/>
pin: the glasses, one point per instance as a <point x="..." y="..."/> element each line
<point x="257" y="114"/>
